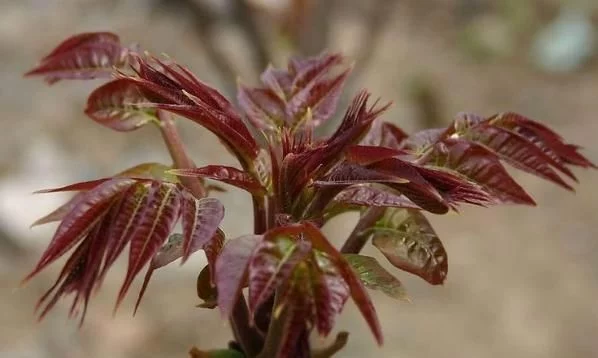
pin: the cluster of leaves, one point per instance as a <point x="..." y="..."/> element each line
<point x="297" y="281"/>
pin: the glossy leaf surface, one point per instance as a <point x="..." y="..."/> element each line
<point x="83" y="56"/>
<point x="375" y="277"/>
<point x="116" y="106"/>
<point x="407" y="240"/>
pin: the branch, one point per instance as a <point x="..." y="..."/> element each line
<point x="177" y="151"/>
<point x="360" y="235"/>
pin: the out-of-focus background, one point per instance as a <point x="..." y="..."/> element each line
<point x="523" y="282"/>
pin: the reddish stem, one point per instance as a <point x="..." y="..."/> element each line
<point x="177" y="151"/>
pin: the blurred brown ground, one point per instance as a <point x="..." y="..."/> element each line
<point x="523" y="281"/>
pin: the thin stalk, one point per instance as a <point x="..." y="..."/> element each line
<point x="250" y="340"/>
<point x="276" y="330"/>
<point x="360" y="234"/>
<point x="260" y="215"/>
<point x="177" y="151"/>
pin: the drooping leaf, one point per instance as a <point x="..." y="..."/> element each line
<point x="201" y="218"/>
<point x="124" y="218"/>
<point x="330" y="292"/>
<point x="375" y="277"/>
<point x="86" y="213"/>
<point x="231" y="270"/>
<point x="157" y="219"/>
<point x="115" y="105"/>
<point x="407" y="240"/>
<point x="168" y="253"/>
<point x="83" y="56"/>
<point x="225" y="174"/>
<point x="358" y="291"/>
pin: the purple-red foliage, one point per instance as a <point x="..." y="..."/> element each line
<point x="298" y="181"/>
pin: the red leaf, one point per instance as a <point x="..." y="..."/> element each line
<point x="84" y="215"/>
<point x="330" y="292"/>
<point x="349" y="174"/>
<point x="84" y="56"/>
<point x="320" y="97"/>
<point x="157" y="219"/>
<point x="417" y="189"/>
<point x="173" y="250"/>
<point x="60" y="212"/>
<point x="115" y="105"/>
<point x="309" y="85"/>
<point x="231" y="270"/>
<point x="272" y="264"/>
<point x="233" y="176"/>
<point x="384" y="134"/>
<point x="358" y="292"/>
<point x="517" y="151"/>
<point x="264" y="109"/>
<point x="363" y="195"/>
<point x="407" y="240"/>
<point x="81" y="186"/>
<point x="201" y="218"/>
<point x="365" y="155"/>
<point x="124" y="218"/>
<point x="480" y="165"/>
<point x="309" y="70"/>
<point x="240" y="143"/>
<point x="455" y="188"/>
<point x="82" y="39"/>
<point x="543" y="137"/>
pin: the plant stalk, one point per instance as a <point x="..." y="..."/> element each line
<point x="179" y="155"/>
<point x="360" y="234"/>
